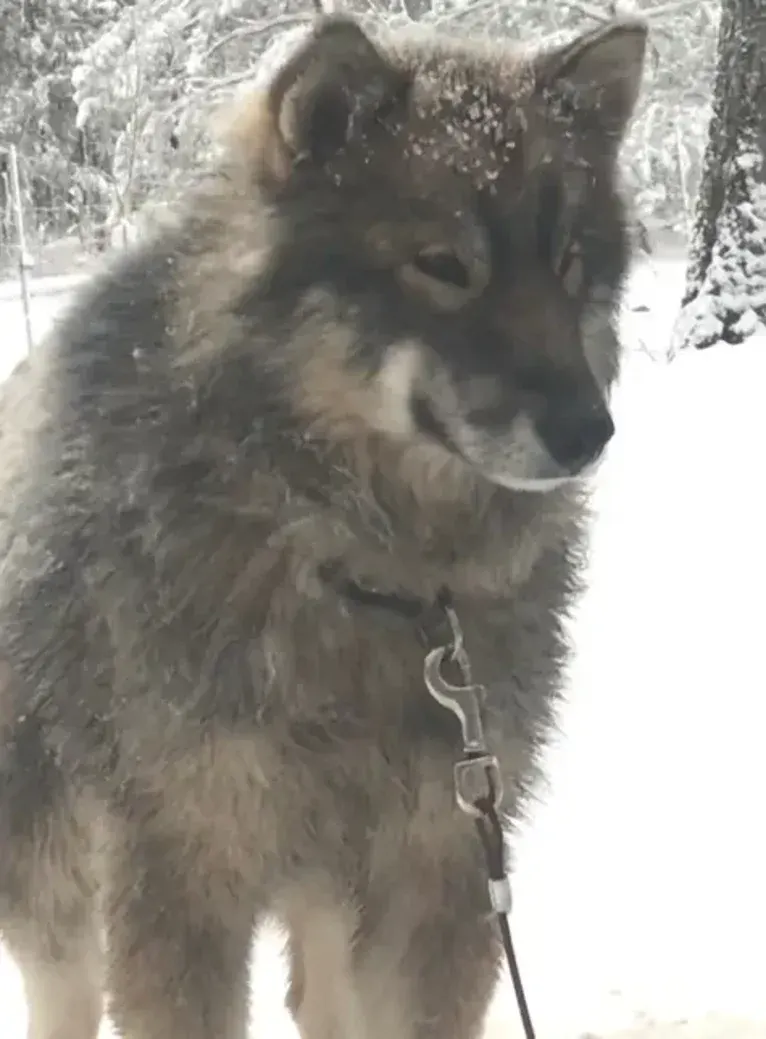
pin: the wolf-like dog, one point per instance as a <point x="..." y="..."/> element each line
<point x="373" y="349"/>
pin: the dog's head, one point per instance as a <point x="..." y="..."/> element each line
<point x="450" y="240"/>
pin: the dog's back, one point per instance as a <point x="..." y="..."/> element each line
<point x="374" y="350"/>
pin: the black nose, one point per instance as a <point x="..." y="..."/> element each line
<point x="576" y="436"/>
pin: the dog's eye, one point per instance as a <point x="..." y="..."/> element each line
<point x="445" y="279"/>
<point x="444" y="266"/>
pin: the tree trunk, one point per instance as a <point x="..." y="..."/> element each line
<point x="725" y="297"/>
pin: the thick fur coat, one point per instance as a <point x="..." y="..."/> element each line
<point x="376" y="341"/>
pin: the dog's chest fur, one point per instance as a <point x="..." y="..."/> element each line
<point x="263" y="642"/>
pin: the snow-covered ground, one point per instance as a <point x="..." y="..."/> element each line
<point x="47" y="297"/>
<point x="640" y="892"/>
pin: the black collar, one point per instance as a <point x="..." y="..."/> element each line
<point x="428" y="615"/>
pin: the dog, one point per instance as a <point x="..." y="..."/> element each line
<point x="366" y="364"/>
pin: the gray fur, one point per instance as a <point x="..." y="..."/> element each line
<point x="196" y="728"/>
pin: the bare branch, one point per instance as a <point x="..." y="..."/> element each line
<point x="608" y="12"/>
<point x="665" y="9"/>
<point x="464" y="12"/>
<point x="589" y="11"/>
<point x="201" y="88"/>
<point x="258" y="29"/>
<point x="416" y="10"/>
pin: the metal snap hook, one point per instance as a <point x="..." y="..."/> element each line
<point x="463" y="701"/>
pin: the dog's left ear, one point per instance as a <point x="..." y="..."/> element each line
<point x="325" y="94"/>
<point x="598" y="74"/>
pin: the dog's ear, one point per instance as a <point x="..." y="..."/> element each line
<point x="598" y="74"/>
<point x="329" y="89"/>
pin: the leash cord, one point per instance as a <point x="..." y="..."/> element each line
<point x="491" y="836"/>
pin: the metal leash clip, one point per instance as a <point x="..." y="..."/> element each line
<point x="478" y="783"/>
<point x="478" y="787"/>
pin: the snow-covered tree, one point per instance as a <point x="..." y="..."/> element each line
<point x="725" y="298"/>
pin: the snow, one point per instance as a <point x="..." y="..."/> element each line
<point x="640" y="902"/>
<point x="47" y="297"/>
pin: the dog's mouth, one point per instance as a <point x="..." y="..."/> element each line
<point x="516" y="456"/>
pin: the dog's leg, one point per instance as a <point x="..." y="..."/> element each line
<point x="180" y="926"/>
<point x="427" y="956"/>
<point x="47" y="916"/>
<point x="62" y="979"/>
<point x="321" y="995"/>
<point x="419" y="961"/>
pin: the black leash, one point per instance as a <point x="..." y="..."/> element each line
<point x="478" y="784"/>
<point x="491" y="836"/>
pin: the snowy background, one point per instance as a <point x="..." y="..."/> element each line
<point x="640" y="893"/>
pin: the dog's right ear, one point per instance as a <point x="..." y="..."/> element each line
<point x="322" y="99"/>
